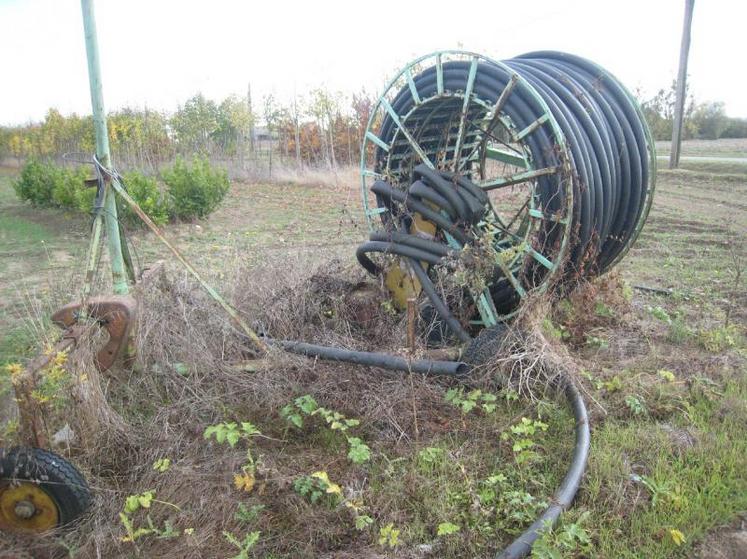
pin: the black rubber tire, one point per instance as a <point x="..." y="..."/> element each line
<point x="57" y="477"/>
<point x="485" y="346"/>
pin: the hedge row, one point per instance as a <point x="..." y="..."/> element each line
<point x="189" y="191"/>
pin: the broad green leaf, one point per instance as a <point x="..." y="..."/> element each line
<point x="447" y="528"/>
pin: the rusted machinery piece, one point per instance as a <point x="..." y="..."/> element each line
<point x="115" y="314"/>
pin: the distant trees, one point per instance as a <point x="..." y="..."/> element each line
<point x="706" y="120"/>
<point x="321" y="128"/>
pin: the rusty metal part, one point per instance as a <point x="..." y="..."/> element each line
<point x="115" y="314"/>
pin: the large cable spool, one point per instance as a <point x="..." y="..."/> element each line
<point x="557" y="143"/>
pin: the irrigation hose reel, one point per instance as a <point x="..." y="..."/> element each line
<point x="557" y="145"/>
<point x="544" y="162"/>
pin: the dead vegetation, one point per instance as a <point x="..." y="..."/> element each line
<point x="662" y="408"/>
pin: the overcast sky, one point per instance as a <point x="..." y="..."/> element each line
<point x="158" y="53"/>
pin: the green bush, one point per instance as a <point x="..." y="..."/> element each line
<point x="37" y="182"/>
<point x="69" y="188"/>
<point x="195" y="190"/>
<point x="46" y="185"/>
<point x="146" y="192"/>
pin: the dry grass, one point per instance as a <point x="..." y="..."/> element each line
<point x="187" y="376"/>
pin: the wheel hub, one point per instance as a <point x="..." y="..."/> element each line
<point x="26" y="507"/>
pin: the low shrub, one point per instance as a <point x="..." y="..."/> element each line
<point x="195" y="190"/>
<point x="149" y="196"/>
<point x="47" y="185"/>
<point x="37" y="182"/>
<point x="69" y="190"/>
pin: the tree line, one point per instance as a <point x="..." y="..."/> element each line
<point x="706" y="120"/>
<point x="321" y="128"/>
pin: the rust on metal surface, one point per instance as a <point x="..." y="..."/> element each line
<point x="115" y="314"/>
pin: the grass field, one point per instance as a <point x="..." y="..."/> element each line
<point x="663" y="373"/>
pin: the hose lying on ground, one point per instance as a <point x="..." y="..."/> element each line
<point x="563" y="496"/>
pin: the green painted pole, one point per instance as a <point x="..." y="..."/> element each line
<point x="119" y="278"/>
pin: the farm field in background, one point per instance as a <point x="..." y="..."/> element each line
<point x="665" y="378"/>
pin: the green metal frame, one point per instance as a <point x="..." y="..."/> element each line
<point x="107" y="214"/>
<point x="106" y="217"/>
<point x="513" y="251"/>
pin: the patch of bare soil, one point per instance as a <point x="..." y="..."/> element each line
<point x="726" y="543"/>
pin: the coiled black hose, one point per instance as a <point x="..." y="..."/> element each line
<point x="596" y="133"/>
<point x="452" y="202"/>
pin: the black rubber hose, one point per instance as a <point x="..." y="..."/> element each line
<point x="437" y="302"/>
<point x="423" y="191"/>
<point x="444" y="189"/>
<point x="439" y="249"/>
<point x="567" y="490"/>
<point x="603" y="131"/>
<point x="391" y="248"/>
<point x="382" y="360"/>
<point x="383" y="189"/>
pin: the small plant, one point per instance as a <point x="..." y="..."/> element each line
<point x="231" y="433"/>
<point x="306" y="406"/>
<point x="146" y="192"/>
<point x="358" y="452"/>
<point x="388" y="536"/>
<point x="475" y="399"/>
<point x="603" y="311"/>
<point x="196" y="190"/>
<point x="666" y="493"/>
<point x="636" y="405"/>
<point x="47" y="185"/>
<point x="596" y="382"/>
<point x="569" y="540"/>
<point x="446" y="529"/>
<point x="677" y="537"/>
<point x="596" y="341"/>
<point x="244" y="546"/>
<point x="317" y="488"/>
<point x="430" y="458"/>
<point x="613" y="385"/>
<point x="246" y="514"/>
<point x="363" y="521"/>
<point x="143" y="502"/>
<point x="37" y="182"/>
<point x="523" y="443"/>
<point x="162" y="465"/>
<point x="718" y="339"/>
<point x="660" y="314"/>
<point x="679" y="331"/>
<point x="53" y="383"/>
<point x="558" y="332"/>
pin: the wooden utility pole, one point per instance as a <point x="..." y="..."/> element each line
<point x="679" y="107"/>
